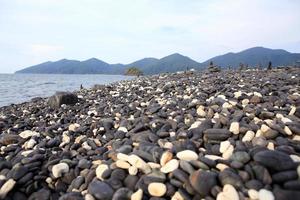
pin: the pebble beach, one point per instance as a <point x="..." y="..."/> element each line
<point x="229" y="135"/>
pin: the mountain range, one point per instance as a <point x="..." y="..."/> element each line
<point x="172" y="63"/>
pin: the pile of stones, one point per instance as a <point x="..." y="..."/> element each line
<point x="227" y="136"/>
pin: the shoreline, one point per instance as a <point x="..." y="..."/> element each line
<point x="226" y="135"/>
<point x="25" y="87"/>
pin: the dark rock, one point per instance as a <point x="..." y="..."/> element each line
<point x="228" y="176"/>
<point x="60" y="98"/>
<point x="72" y="196"/>
<point x="100" y="190"/>
<point x="262" y="174"/>
<point x="122" y="194"/>
<point x="292" y="185"/>
<point x="42" y="194"/>
<point x="240" y="156"/>
<point x="285" y="194"/>
<point x="203" y="181"/>
<point x="216" y="134"/>
<point x="275" y="160"/>
<point x="254" y="184"/>
<point x="6" y="139"/>
<point x="18" y="172"/>
<point x="284" y="176"/>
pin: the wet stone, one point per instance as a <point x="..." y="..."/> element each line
<point x="275" y="160"/>
<point x="100" y="190"/>
<point x="203" y="181"/>
<point x="217" y="134"/>
<point x="284" y="176"/>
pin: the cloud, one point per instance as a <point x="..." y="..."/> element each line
<point x="34" y="31"/>
<point x="44" y="49"/>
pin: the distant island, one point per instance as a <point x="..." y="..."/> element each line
<point x="253" y="57"/>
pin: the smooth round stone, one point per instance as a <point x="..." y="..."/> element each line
<point x="186" y="166"/>
<point x="100" y="170"/>
<point x="6" y="188"/>
<point x="287" y="130"/>
<point x="130" y="181"/>
<point x="73" y="127"/>
<point x="138" y="195"/>
<point x="7" y="139"/>
<point x="284" y="176"/>
<point x="254" y="184"/>
<point x="122" y="156"/>
<point x="30" y="144"/>
<point x="201" y="112"/>
<point x="240" y="156"/>
<point x="27" y="134"/>
<point x="19" y="172"/>
<point x="84" y="163"/>
<point x="43" y="194"/>
<point x="259" y="141"/>
<point x="122" y="164"/>
<point x="248" y="136"/>
<point x="165" y="157"/>
<point x="253" y="194"/>
<point x="157" y="189"/>
<point x="100" y="190"/>
<point x="122" y="193"/>
<point x="203" y="181"/>
<point x="224" y="146"/>
<point x="228" y="153"/>
<point x="234" y="128"/>
<point x="177" y="196"/>
<point x="274" y="160"/>
<point x="292" y="185"/>
<point x="59" y="169"/>
<point x="139" y="163"/>
<point x="132" y="170"/>
<point x="221" y="166"/>
<point x="180" y="175"/>
<point x="217" y="134"/>
<point x="228" y="176"/>
<point x="228" y="193"/>
<point x="170" y="166"/>
<point x="265" y="195"/>
<point x="187" y="155"/>
<point x="270" y="134"/>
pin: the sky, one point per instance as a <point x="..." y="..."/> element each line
<point x="123" y="31"/>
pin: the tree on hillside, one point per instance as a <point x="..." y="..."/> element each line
<point x="133" y="71"/>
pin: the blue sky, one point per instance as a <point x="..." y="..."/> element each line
<point x="35" y="31"/>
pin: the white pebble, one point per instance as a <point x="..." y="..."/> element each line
<point x="29" y="144"/>
<point x="138" y="195"/>
<point x="59" y="169"/>
<point x="187" y="155"/>
<point x="28" y="134"/>
<point x="234" y="128"/>
<point x="248" y="136"/>
<point x="157" y="189"/>
<point x="73" y="127"/>
<point x="165" y="157"/>
<point x="170" y="166"/>
<point x="287" y="130"/>
<point x="253" y="194"/>
<point x="228" y="193"/>
<point x="264" y="194"/>
<point x="100" y="169"/>
<point x="6" y="187"/>
<point x="224" y="146"/>
<point x="227" y="154"/>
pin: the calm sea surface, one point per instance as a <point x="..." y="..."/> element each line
<point x="18" y="88"/>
